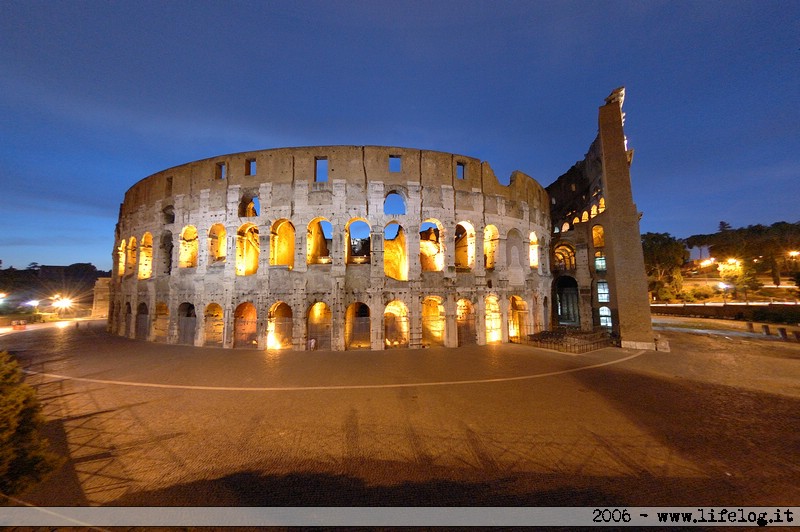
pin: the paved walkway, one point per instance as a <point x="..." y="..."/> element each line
<point x="715" y="421"/>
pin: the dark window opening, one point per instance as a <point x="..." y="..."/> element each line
<point x="222" y="171"/>
<point x="460" y="172"/>
<point x="321" y="169"/>
<point x="395" y="163"/>
<point x="168" y="187"/>
<point x="250" y="167"/>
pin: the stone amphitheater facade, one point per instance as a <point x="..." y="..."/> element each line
<point x="332" y="247"/>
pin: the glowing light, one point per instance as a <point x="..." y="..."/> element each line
<point x="63" y="303"/>
<point x="733" y="261"/>
<point x="707" y="262"/>
<point x="794" y="254"/>
<point x="33" y="303"/>
<point x="62" y="324"/>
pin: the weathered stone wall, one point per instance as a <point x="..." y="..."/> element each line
<point x="193" y="272"/>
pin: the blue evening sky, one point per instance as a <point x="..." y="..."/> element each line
<point x="97" y="95"/>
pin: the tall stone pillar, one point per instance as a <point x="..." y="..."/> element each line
<point x="630" y="308"/>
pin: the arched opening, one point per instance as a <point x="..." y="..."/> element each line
<point x="394" y="204"/>
<point x="165" y="252"/>
<point x="217" y="244"/>
<point x="161" y="323"/>
<point x="494" y="321"/>
<point x="128" y="320"/>
<point x="319" y="326"/>
<point x="605" y="317"/>
<point x="142" y="322"/>
<point x="130" y="259"/>
<point x="281" y="244"/>
<point x="245" y="326"/>
<point x="465" y="246"/>
<point x="465" y="322"/>
<point x="585" y="216"/>
<point x="564" y="257"/>
<point x="146" y="257"/>
<point x="598" y="236"/>
<point x="514" y="249"/>
<point x="214" y="326"/>
<point x="187" y="324"/>
<point x="356" y="327"/>
<point x="593" y="212"/>
<point x="187" y="256"/>
<point x="601" y="205"/>
<point x="518" y="320"/>
<point x="168" y="214"/>
<point x="279" y="326"/>
<point x="576" y="221"/>
<point x="566" y="296"/>
<point x="565" y="227"/>
<point x="491" y="240"/>
<point x="395" y="255"/>
<point x="247" y="250"/>
<point x="122" y="251"/>
<point x="249" y="206"/>
<point x="395" y="325"/>
<point x="533" y="250"/>
<point x="357" y="237"/>
<point x="433" y="321"/>
<point x="319" y="238"/>
<point x="431" y="246"/>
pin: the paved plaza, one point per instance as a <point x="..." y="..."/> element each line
<point x="715" y="421"/>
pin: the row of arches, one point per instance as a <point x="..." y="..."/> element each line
<point x="357" y="331"/>
<point x="319" y="243"/>
<point x="598" y="207"/>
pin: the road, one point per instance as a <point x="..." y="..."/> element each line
<point x="713" y="422"/>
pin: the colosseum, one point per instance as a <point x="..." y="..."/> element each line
<point x="368" y="247"/>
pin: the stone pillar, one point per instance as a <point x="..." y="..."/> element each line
<point x="630" y="307"/>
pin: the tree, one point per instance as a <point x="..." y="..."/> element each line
<point x="740" y="275"/>
<point x="24" y="458"/>
<point x="663" y="257"/>
<point x="724" y="226"/>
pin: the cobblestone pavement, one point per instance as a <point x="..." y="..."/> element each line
<point x="715" y="421"/>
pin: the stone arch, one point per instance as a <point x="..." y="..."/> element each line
<point x="142" y="322"/>
<point x="465" y="322"/>
<point x="128" y="320"/>
<point x="281" y="247"/>
<point x="161" y="322"/>
<point x="319" y="326"/>
<point x="514" y="249"/>
<point x="168" y="214"/>
<point x="319" y="238"/>
<point x="122" y="254"/>
<point x="358" y="243"/>
<point x="146" y="257"/>
<point x="433" y="321"/>
<point x="214" y="325"/>
<point x="247" y="249"/>
<point x="394" y="203"/>
<point x="491" y="242"/>
<point x="395" y="325"/>
<point x="564" y="258"/>
<point x="598" y="236"/>
<point x="165" y="251"/>
<point x="431" y="246"/>
<point x="279" y="326"/>
<point x="567" y="301"/>
<point x="187" y="324"/>
<point x="533" y="250"/>
<point x="464" y="243"/>
<point x="518" y="320"/>
<point x="357" y="326"/>
<point x="187" y="255"/>
<point x="249" y="205"/>
<point x="217" y="244"/>
<point x="245" y="326"/>
<point x="494" y="320"/>
<point x="130" y="256"/>
<point x="395" y="252"/>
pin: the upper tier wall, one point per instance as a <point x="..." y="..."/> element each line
<point x="353" y="164"/>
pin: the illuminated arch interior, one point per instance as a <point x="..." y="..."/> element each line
<point x="279" y="326"/>
<point x="465" y="246"/>
<point x="395" y="254"/>
<point x="146" y="257"/>
<point x="281" y="247"/>
<point x="494" y="322"/>
<point x="395" y="325"/>
<point x="431" y="246"/>
<point x="217" y="245"/>
<point x="319" y="237"/>
<point x="247" y="250"/>
<point x="187" y="255"/>
<point x="491" y="239"/>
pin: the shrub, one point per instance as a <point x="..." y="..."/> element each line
<point x="703" y="292"/>
<point x="24" y="458"/>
